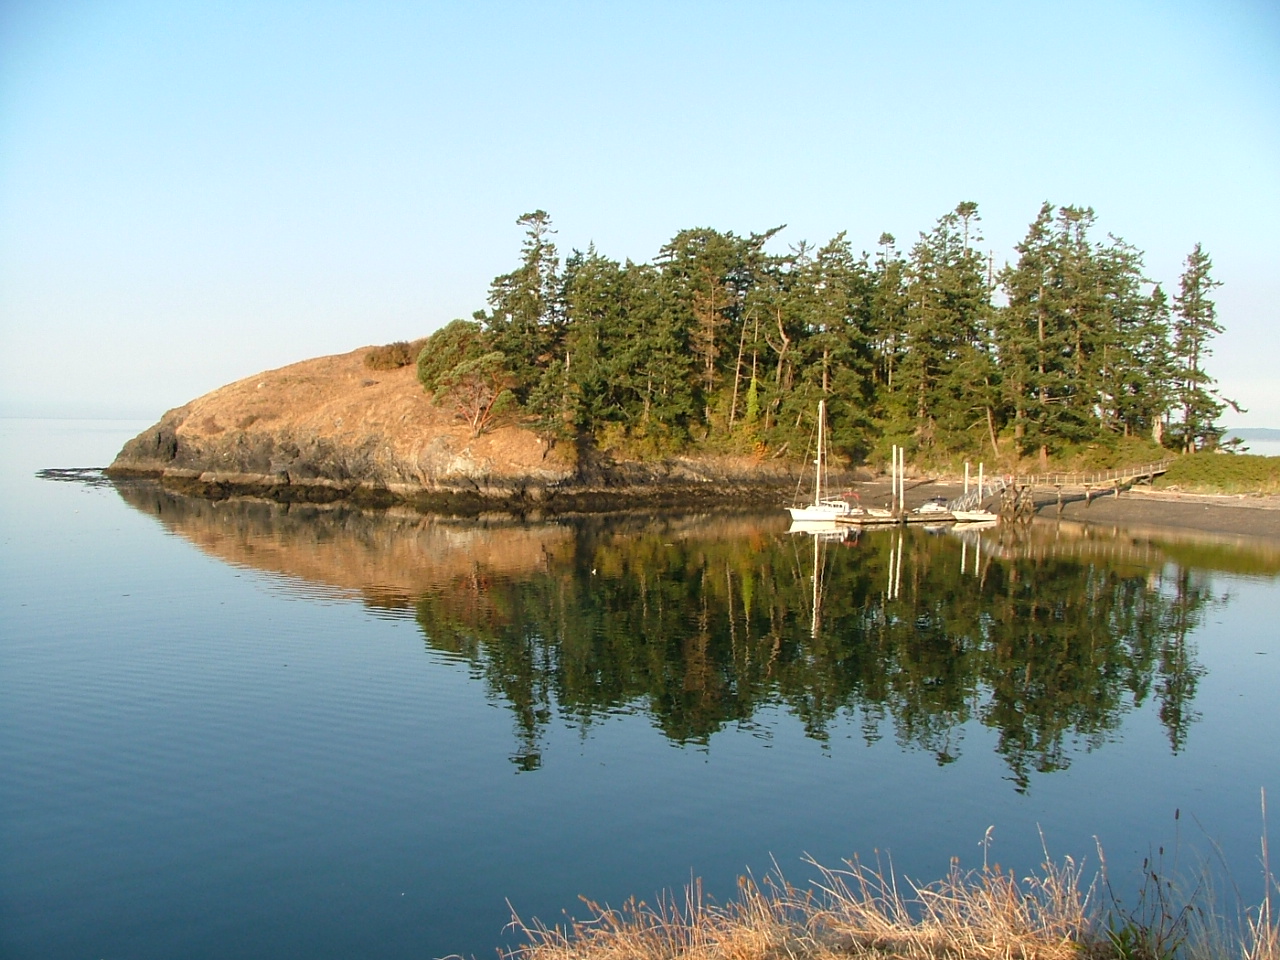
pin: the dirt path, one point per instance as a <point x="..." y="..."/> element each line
<point x="1237" y="516"/>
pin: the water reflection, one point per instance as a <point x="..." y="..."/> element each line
<point x="1049" y="636"/>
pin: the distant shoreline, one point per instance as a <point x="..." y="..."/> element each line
<point x="1254" y="433"/>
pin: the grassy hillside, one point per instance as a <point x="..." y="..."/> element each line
<point x="1223" y="473"/>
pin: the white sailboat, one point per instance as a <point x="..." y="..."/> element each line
<point x="976" y="517"/>
<point x="824" y="509"/>
<point x="968" y="509"/>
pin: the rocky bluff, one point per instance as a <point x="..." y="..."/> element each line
<point x="331" y="428"/>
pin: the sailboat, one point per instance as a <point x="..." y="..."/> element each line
<point x="824" y="509"/>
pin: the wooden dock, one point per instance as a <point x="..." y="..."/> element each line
<point x="1012" y="497"/>
<point x="1015" y="496"/>
<point x="895" y="519"/>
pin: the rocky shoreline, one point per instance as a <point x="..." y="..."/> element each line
<point x="522" y="500"/>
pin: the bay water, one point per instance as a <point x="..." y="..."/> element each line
<point x="239" y="729"/>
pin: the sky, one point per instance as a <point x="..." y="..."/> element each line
<point x="191" y="193"/>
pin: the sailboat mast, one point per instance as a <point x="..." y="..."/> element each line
<point x="822" y="444"/>
<point x="817" y="588"/>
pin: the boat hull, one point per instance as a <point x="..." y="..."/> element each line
<point x="974" y="516"/>
<point x="817" y="514"/>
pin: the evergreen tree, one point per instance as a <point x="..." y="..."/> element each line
<point x="888" y="311"/>
<point x="706" y="277"/>
<point x="1146" y="377"/>
<point x="612" y="354"/>
<point x="1074" y="328"/>
<point x="526" y="316"/>
<point x="1195" y="324"/>
<point x="948" y="303"/>
<point x="1129" y="343"/>
<point x="662" y="366"/>
<point x="775" y="332"/>
<point x="832" y="291"/>
<point x="1039" y="331"/>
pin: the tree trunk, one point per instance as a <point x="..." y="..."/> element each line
<point x="737" y="377"/>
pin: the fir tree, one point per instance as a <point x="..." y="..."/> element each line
<point x="1195" y="324"/>
<point x="526" y="316"/>
<point x="948" y="303"/>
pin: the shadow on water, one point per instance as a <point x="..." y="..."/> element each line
<point x="87" y="476"/>
<point x="1048" y="636"/>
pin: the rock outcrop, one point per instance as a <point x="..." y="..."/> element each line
<point x="331" y="428"/>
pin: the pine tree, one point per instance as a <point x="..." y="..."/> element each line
<point x="1146" y="377"/>
<point x="948" y="306"/>
<point x="843" y="290"/>
<point x="1195" y="324"/>
<point x="776" y="329"/>
<point x="607" y="343"/>
<point x="887" y="320"/>
<point x="706" y="278"/>
<point x="1128" y="342"/>
<point x="526" y="315"/>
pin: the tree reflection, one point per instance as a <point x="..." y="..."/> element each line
<point x="1048" y="637"/>
<point x="701" y="630"/>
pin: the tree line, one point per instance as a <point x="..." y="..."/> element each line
<point x="721" y="345"/>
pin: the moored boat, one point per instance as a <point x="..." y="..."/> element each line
<point x="825" y="508"/>
<point x="975" y="516"/>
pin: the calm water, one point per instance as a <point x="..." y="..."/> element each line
<point x="236" y="730"/>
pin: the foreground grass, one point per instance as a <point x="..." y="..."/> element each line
<point x="1223" y="473"/>
<point x="859" y="912"/>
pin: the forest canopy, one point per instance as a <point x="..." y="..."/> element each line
<point x="721" y="345"/>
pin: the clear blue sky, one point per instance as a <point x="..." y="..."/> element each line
<point x="194" y="192"/>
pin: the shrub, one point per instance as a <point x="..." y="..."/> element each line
<point x="393" y="356"/>
<point x="451" y="345"/>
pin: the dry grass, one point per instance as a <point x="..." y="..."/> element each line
<point x="862" y="912"/>
<point x="1263" y="937"/>
<point x="1262" y="926"/>
<point x="1256" y="936"/>
<point x="981" y="914"/>
<point x="855" y="911"/>
<point x="1178" y="913"/>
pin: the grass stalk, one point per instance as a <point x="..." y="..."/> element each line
<point x="865" y="911"/>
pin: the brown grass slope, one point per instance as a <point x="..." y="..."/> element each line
<point x="333" y="421"/>
<point x="335" y="427"/>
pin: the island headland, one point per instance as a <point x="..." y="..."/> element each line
<point x="694" y="380"/>
<point x="334" y="429"/>
<point x="331" y="428"/>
